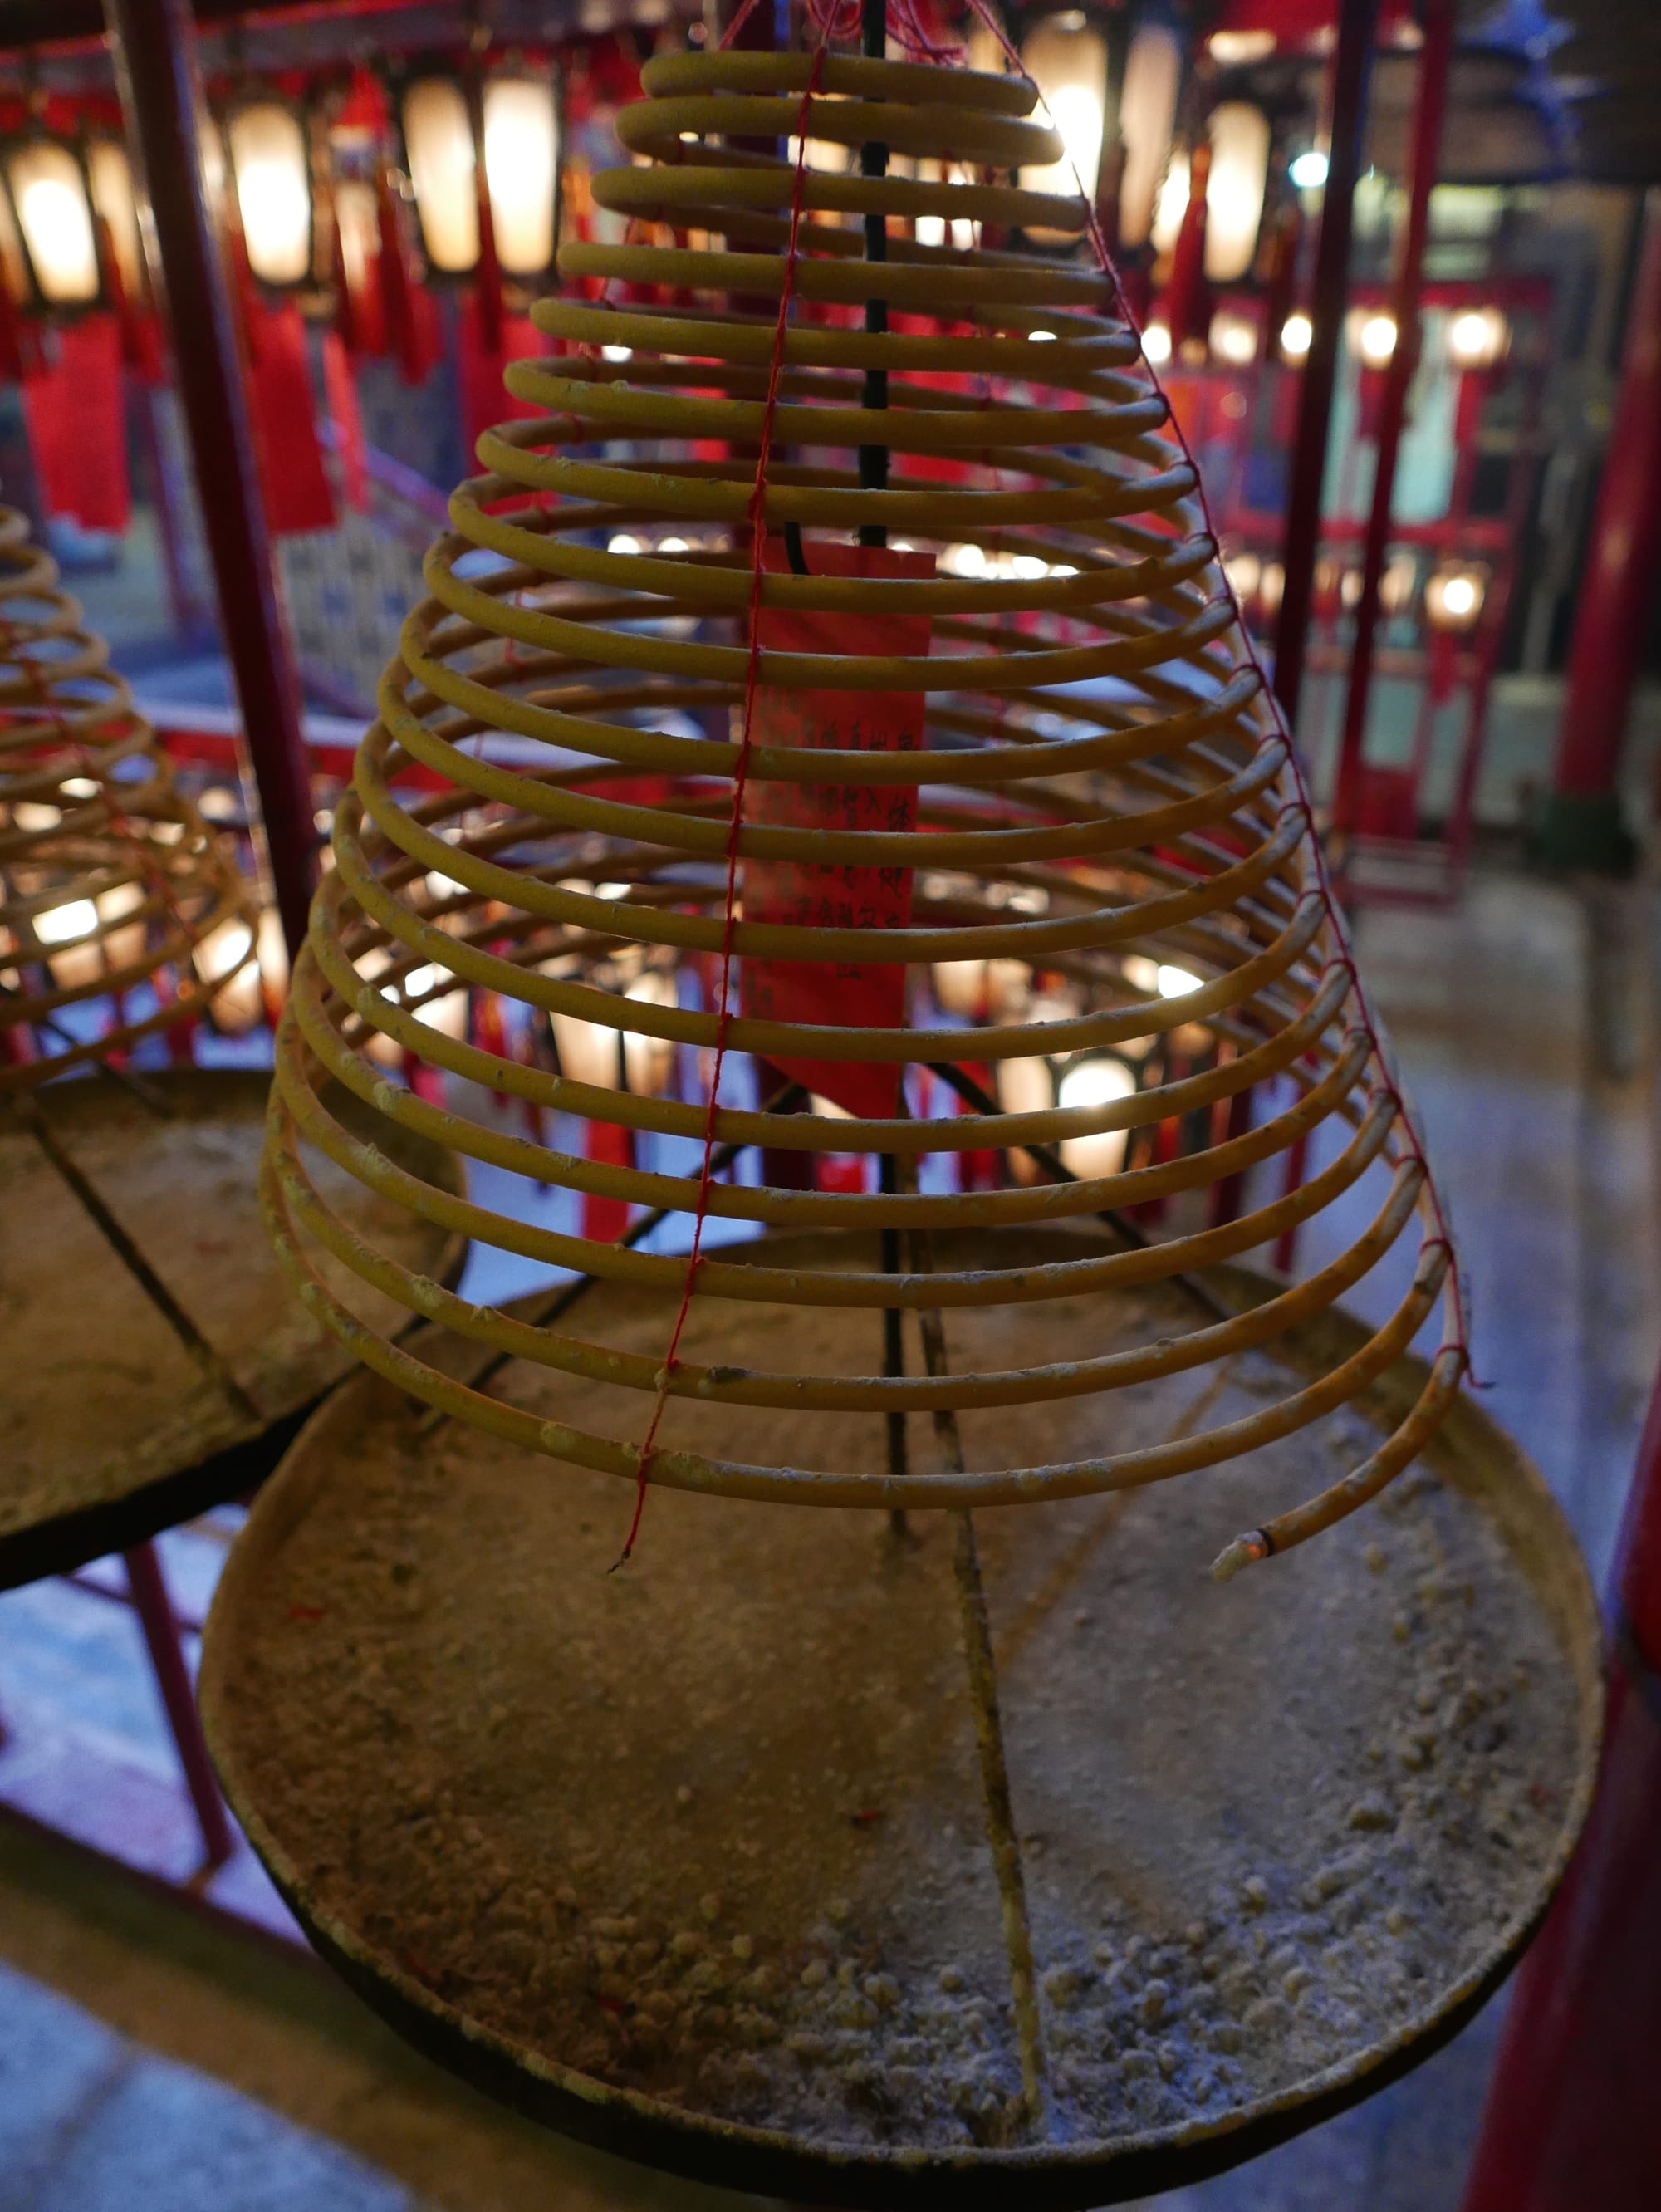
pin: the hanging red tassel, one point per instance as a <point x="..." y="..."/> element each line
<point x="407" y="329"/>
<point x="76" y="412"/>
<point x="1187" y="302"/>
<point x="293" y="476"/>
<point x="340" y="394"/>
<point x="483" y="401"/>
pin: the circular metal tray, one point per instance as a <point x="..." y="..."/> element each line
<point x="688" y="1860"/>
<point x="113" y="1431"/>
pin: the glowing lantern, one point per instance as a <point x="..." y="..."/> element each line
<point x="521" y="133"/>
<point x="1373" y="335"/>
<point x="649" y="1062"/>
<point x="1095" y="1079"/>
<point x="54" y="221"/>
<point x="1297" y="333"/>
<point x="1171" y="203"/>
<point x="1146" y="117"/>
<point x="271" y="173"/>
<point x="1234" y="194"/>
<point x="1454" y="596"/>
<point x="522" y="170"/>
<point x="438" y="140"/>
<point x="1156" y="344"/>
<point x="110" y="176"/>
<point x="959" y="987"/>
<point x="1068" y="63"/>
<point x="1477" y="337"/>
<point x="1233" y="337"/>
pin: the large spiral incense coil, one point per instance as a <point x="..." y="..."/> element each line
<point x="111" y="886"/>
<point x="1101" y="790"/>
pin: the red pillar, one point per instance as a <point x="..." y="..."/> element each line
<point x="1431" y="106"/>
<point x="1352" y="65"/>
<point x="1582" y="824"/>
<point x="1572" y="2120"/>
<point x="154" y="43"/>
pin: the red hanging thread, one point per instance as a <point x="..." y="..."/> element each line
<point x="741" y="775"/>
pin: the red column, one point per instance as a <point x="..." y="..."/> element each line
<point x="1431" y="106"/>
<point x="1582" y="824"/>
<point x="1573" y="2121"/>
<point x="155" y="66"/>
<point x="1351" y="66"/>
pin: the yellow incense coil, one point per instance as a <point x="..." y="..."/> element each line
<point x="1105" y="815"/>
<point x="111" y="885"/>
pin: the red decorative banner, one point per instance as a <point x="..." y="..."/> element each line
<point x="340" y="394"/>
<point x="292" y="475"/>
<point x="840" y="994"/>
<point x="485" y="401"/>
<point x="76" y="412"/>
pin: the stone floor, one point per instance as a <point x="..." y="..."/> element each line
<point x="148" y="2059"/>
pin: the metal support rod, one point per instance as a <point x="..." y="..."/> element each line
<point x="1352" y="65"/>
<point x="1571" y="2121"/>
<point x="874" y="162"/>
<point x="160" y="1626"/>
<point x="161" y="97"/>
<point x="1434" y="59"/>
<point x="1583" y="825"/>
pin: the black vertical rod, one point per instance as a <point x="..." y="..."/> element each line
<point x="874" y="162"/>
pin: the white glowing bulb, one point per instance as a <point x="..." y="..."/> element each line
<point x="1308" y="170"/>
<point x="673" y="545"/>
<point x="1297" y="332"/>
<point x="440" y="886"/>
<point x="1375" y="339"/>
<point x="1098" y="1080"/>
<point x="1027" y="567"/>
<point x="966" y="560"/>
<point x="623" y="543"/>
<point x="1476" y="338"/>
<point x="1171" y="203"/>
<point x="1176" y="982"/>
<point x="1156" y="344"/>
<point x="616" y="353"/>
<point x="1040" y="337"/>
<point x="73" y="919"/>
<point x="1233" y="338"/>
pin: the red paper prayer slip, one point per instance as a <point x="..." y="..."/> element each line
<point x="843" y="994"/>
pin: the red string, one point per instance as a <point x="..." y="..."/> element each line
<point x="1372" y="1027"/>
<point x="757" y="514"/>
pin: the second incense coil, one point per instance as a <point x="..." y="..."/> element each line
<point x="1095" y="786"/>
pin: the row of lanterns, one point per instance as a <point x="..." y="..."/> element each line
<point x="286" y="166"/>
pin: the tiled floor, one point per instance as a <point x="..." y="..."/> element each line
<point x="149" y="2061"/>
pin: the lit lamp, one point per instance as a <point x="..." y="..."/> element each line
<point x="54" y="217"/>
<point x="438" y="143"/>
<point x="271" y="172"/>
<point x="1372" y="334"/>
<point x="110" y="178"/>
<point x="1373" y="338"/>
<point x="1068" y="62"/>
<point x="522" y="169"/>
<point x="1095" y="1079"/>
<point x="520" y="119"/>
<point x="1478" y="339"/>
<point x="1234" y="194"/>
<point x="1147" y="118"/>
<point x="1297" y="332"/>
<point x="223" y="958"/>
<point x="649" y="1062"/>
<point x="959" y="988"/>
<point x="1398" y="583"/>
<point x="1232" y="338"/>
<point x="1454" y="596"/>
